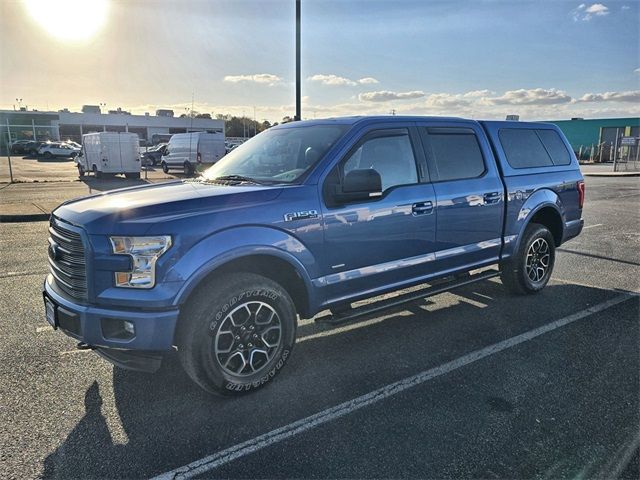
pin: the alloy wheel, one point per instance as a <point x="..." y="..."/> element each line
<point x="248" y="338"/>
<point x="538" y="260"/>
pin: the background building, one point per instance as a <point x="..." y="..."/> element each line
<point x="596" y="138"/>
<point x="65" y="125"/>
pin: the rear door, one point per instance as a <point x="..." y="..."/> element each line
<point x="469" y="194"/>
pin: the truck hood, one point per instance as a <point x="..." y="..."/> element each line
<point x="134" y="210"/>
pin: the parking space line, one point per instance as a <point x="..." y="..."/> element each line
<point x="592" y="226"/>
<point x="253" y="445"/>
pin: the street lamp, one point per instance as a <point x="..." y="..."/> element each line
<point x="298" y="94"/>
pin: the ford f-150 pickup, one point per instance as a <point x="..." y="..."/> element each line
<point x="307" y="217"/>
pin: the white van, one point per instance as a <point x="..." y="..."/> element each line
<point x="187" y="150"/>
<point x="110" y="153"/>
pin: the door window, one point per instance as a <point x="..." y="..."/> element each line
<point x="456" y="153"/>
<point x="391" y="156"/>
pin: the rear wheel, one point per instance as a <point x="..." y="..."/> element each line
<point x="236" y="335"/>
<point x="81" y="171"/>
<point x="529" y="270"/>
<point x="134" y="175"/>
<point x="95" y="171"/>
<point x="188" y="169"/>
<point x="48" y="155"/>
<point x="165" y="167"/>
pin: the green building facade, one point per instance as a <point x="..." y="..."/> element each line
<point x="594" y="135"/>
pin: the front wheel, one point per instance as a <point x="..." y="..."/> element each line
<point x="529" y="270"/>
<point x="188" y="169"/>
<point x="48" y="155"/>
<point x="165" y="167"/>
<point x="237" y="333"/>
<point x="81" y="171"/>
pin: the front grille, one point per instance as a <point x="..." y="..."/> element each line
<point x="66" y="261"/>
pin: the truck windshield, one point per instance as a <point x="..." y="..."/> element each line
<point x="277" y="155"/>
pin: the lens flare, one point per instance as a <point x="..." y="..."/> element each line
<point x="69" y="20"/>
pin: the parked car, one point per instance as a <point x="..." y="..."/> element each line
<point x="186" y="151"/>
<point x="58" y="149"/>
<point x="73" y="144"/>
<point x="18" y="147"/>
<point x="305" y="217"/>
<point x="154" y="154"/>
<point x="33" y="146"/>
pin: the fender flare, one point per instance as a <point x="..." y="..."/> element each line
<point x="294" y="253"/>
<point x="544" y="198"/>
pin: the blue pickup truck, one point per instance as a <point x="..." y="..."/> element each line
<point x="307" y="217"/>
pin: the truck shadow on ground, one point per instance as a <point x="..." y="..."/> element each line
<point x="169" y="421"/>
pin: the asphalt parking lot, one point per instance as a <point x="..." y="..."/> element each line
<point x="468" y="384"/>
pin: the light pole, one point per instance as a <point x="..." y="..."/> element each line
<point x="298" y="94"/>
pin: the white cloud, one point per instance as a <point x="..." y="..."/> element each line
<point x="637" y="70"/>
<point x="336" y="80"/>
<point x="625" y="7"/>
<point x="534" y="96"/>
<point x="628" y="96"/>
<point x="447" y="100"/>
<point x="584" y="13"/>
<point x="478" y="93"/>
<point x="386" y="96"/>
<point x="263" y="78"/>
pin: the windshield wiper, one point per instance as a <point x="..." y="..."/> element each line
<point x="237" y="178"/>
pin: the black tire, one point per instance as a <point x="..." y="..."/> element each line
<point x="530" y="269"/>
<point x="165" y="167"/>
<point x="187" y="169"/>
<point x="133" y="175"/>
<point x="81" y="171"/>
<point x="95" y="171"/>
<point x="222" y="305"/>
<point x="48" y="155"/>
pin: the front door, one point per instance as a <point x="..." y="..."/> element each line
<point x="372" y="244"/>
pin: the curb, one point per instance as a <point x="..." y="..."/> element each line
<point x="33" y="217"/>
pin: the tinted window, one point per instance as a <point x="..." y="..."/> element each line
<point x="456" y="155"/>
<point x="523" y="148"/>
<point x="392" y="157"/>
<point x="555" y="147"/>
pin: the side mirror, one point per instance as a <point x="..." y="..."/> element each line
<point x="359" y="185"/>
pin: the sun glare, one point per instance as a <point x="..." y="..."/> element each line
<point x="69" y="20"/>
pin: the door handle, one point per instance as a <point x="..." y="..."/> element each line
<point x="492" y="197"/>
<point x="422" y="208"/>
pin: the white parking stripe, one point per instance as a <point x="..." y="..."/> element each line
<point x="591" y="226"/>
<point x="223" y="457"/>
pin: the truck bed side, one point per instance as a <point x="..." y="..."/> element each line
<point x="546" y="194"/>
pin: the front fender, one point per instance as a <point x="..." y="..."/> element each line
<point x="521" y="217"/>
<point x="223" y="247"/>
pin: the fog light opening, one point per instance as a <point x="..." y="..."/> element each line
<point x="115" y="329"/>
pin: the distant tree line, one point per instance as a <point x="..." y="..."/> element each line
<point x="238" y="126"/>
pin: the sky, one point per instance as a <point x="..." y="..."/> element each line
<point x="545" y="59"/>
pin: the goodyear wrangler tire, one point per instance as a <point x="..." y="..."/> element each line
<point x="236" y="333"/>
<point x="530" y="268"/>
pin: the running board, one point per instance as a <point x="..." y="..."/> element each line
<point x="348" y="315"/>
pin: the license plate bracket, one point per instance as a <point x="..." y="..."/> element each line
<point x="51" y="312"/>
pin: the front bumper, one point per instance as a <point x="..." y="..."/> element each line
<point x="154" y="330"/>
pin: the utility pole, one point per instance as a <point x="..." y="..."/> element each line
<point x="298" y="94"/>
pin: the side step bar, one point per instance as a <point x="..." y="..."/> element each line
<point x="348" y="315"/>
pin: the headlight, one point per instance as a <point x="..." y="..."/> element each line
<point x="144" y="252"/>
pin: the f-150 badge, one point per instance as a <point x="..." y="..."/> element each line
<point x="303" y="215"/>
